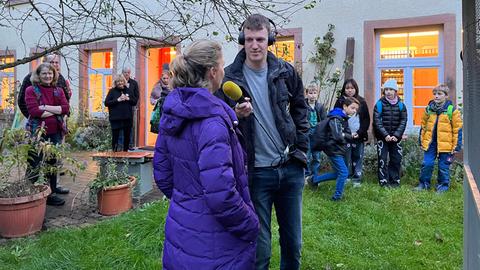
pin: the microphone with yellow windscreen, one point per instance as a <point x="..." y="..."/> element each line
<point x="233" y="91"/>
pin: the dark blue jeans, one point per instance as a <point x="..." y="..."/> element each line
<point x="354" y="160"/>
<point x="282" y="187"/>
<point x="340" y="173"/>
<point x="313" y="158"/>
<point x="444" y="161"/>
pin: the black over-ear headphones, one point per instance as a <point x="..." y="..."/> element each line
<point x="271" y="34"/>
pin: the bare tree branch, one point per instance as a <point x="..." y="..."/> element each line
<point x="167" y="41"/>
<point x="65" y="23"/>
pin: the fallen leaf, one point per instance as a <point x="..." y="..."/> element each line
<point x="438" y="236"/>
<point x="417" y="242"/>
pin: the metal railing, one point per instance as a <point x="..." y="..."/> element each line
<point x="471" y="100"/>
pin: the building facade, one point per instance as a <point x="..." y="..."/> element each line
<point x="415" y="42"/>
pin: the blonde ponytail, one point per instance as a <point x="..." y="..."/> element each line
<point x="190" y="68"/>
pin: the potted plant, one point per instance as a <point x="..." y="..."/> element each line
<point x="23" y="203"/>
<point x="113" y="188"/>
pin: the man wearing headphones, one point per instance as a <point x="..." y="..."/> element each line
<point x="274" y="121"/>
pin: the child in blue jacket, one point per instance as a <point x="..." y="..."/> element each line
<point x="336" y="134"/>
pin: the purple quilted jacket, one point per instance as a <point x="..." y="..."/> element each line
<point x="200" y="165"/>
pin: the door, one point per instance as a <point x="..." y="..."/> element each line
<point x="156" y="61"/>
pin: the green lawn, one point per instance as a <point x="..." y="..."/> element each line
<point x="372" y="228"/>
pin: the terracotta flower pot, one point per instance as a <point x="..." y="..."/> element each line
<point x="115" y="200"/>
<point x="23" y="216"/>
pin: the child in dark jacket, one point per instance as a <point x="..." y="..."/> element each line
<point x="337" y="134"/>
<point x="316" y="113"/>
<point x="358" y="124"/>
<point x="440" y="137"/>
<point x="389" y="123"/>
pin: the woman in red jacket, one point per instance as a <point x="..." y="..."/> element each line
<point x="47" y="106"/>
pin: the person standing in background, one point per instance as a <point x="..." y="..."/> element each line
<point x="132" y="85"/>
<point x="161" y="88"/>
<point x="358" y="124"/>
<point x="316" y="113"/>
<point x="54" y="60"/>
<point x="120" y="101"/>
<point x="47" y="105"/>
<point x="389" y="123"/>
<point x="440" y="138"/>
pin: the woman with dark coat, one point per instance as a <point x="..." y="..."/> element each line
<point x="120" y="102"/>
<point x="200" y="166"/>
<point x="358" y="124"/>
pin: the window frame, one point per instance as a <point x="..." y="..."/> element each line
<point x="408" y="65"/>
<point x="296" y="33"/>
<point x="83" y="87"/>
<point x="95" y="71"/>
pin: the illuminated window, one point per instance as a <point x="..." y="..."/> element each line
<point x="409" y="45"/>
<point x="7" y="78"/>
<point x="284" y="48"/>
<point x="396" y="74"/>
<point x="424" y="80"/>
<point x="100" y="70"/>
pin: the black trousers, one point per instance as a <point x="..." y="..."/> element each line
<point x="126" y="135"/>
<point x="33" y="168"/>
<point x="389" y="162"/>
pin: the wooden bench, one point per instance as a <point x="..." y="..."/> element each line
<point x="139" y="164"/>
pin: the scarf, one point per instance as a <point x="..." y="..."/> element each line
<point x="437" y="107"/>
<point x="392" y="101"/>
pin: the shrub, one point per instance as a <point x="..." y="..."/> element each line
<point x="94" y="136"/>
<point x="411" y="161"/>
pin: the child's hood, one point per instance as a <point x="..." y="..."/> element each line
<point x="337" y="113"/>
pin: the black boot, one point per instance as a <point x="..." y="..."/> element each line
<point x="55" y="201"/>
<point x="61" y="190"/>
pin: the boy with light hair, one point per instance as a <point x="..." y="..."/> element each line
<point x="440" y="138"/>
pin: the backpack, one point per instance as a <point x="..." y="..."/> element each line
<point x="155" y="116"/>
<point x="379" y="106"/>
<point x="320" y="136"/>
<point x="449" y="111"/>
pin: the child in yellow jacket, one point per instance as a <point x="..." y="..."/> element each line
<point x="440" y="137"/>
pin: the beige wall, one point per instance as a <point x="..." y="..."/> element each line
<point x="347" y="15"/>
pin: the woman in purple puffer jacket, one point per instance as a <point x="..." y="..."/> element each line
<point x="200" y="165"/>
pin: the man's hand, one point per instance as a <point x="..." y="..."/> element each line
<point x="244" y="109"/>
